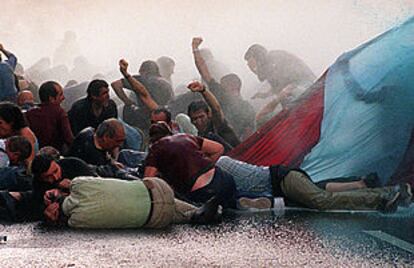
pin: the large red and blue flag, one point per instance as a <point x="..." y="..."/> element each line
<point x="357" y="118"/>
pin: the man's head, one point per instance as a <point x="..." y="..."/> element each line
<point x="110" y="134"/>
<point x="149" y="68"/>
<point x="200" y="115"/>
<point x="18" y="149"/>
<point x="231" y="84"/>
<point x="98" y="92"/>
<point x="159" y="130"/>
<point x="25" y="97"/>
<point x="51" y="92"/>
<point x="166" y="66"/>
<point x="256" y="57"/>
<point x="161" y="114"/>
<point x="46" y="170"/>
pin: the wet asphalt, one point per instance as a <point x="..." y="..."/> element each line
<point x="269" y="238"/>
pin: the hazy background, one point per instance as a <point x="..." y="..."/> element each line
<point x="315" y="30"/>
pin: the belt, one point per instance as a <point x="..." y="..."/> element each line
<point x="151" y="209"/>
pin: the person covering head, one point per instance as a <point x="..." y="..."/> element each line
<point x="110" y="134"/>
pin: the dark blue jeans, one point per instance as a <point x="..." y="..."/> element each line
<point x="222" y="186"/>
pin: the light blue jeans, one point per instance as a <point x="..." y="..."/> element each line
<point x="251" y="180"/>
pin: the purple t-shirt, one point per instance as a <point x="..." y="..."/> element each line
<point x="180" y="160"/>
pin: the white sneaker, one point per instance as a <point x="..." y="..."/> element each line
<point x="258" y="203"/>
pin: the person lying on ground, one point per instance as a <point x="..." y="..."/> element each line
<point x="186" y="162"/>
<point x="111" y="203"/>
<point x="295" y="185"/>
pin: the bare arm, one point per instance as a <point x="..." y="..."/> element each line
<point x="150" y="172"/>
<point x="199" y="61"/>
<point x="119" y="91"/>
<point x="271" y="106"/>
<point x="11" y="58"/>
<point x="212" y="149"/>
<point x="218" y="115"/>
<point x="137" y="86"/>
<point x="5" y="52"/>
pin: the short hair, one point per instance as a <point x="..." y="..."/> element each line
<point x="159" y="130"/>
<point x="94" y="87"/>
<point x="165" y="61"/>
<point x="232" y="78"/>
<point x="197" y="105"/>
<point x="20" y="144"/>
<point x="41" y="163"/>
<point x="256" y="51"/>
<point x="165" y="111"/>
<point x="50" y="150"/>
<point x="149" y="68"/>
<point x="109" y="128"/>
<point x="46" y="90"/>
<point x="12" y="114"/>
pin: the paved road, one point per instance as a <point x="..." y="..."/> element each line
<point x="292" y="238"/>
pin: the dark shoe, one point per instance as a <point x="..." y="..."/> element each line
<point x="402" y="197"/>
<point x="392" y="204"/>
<point x="371" y="180"/>
<point x="258" y="203"/>
<point x="209" y="213"/>
<point x="406" y="195"/>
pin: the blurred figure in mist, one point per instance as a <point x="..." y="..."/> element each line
<point x="278" y="67"/>
<point x="287" y="75"/>
<point x="166" y="66"/>
<point x="68" y="49"/>
<point x="239" y="113"/>
<point x="217" y="68"/>
<point x="8" y="87"/>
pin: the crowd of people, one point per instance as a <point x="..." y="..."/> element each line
<point x="70" y="156"/>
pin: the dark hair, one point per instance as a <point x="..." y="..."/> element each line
<point x="159" y="130"/>
<point x="20" y="144"/>
<point x="12" y="114"/>
<point x="233" y="78"/>
<point x="41" y="163"/>
<point x="149" y="68"/>
<point x="197" y="105"/>
<point x="50" y="150"/>
<point x="165" y="111"/>
<point x="258" y="52"/>
<point x="94" y="87"/>
<point x="109" y="128"/>
<point x="46" y="90"/>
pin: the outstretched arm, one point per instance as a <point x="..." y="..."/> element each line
<point x="218" y="115"/>
<point x="212" y="149"/>
<point x="119" y="91"/>
<point x="137" y="86"/>
<point x="199" y="61"/>
<point x="11" y="58"/>
<point x="271" y="106"/>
